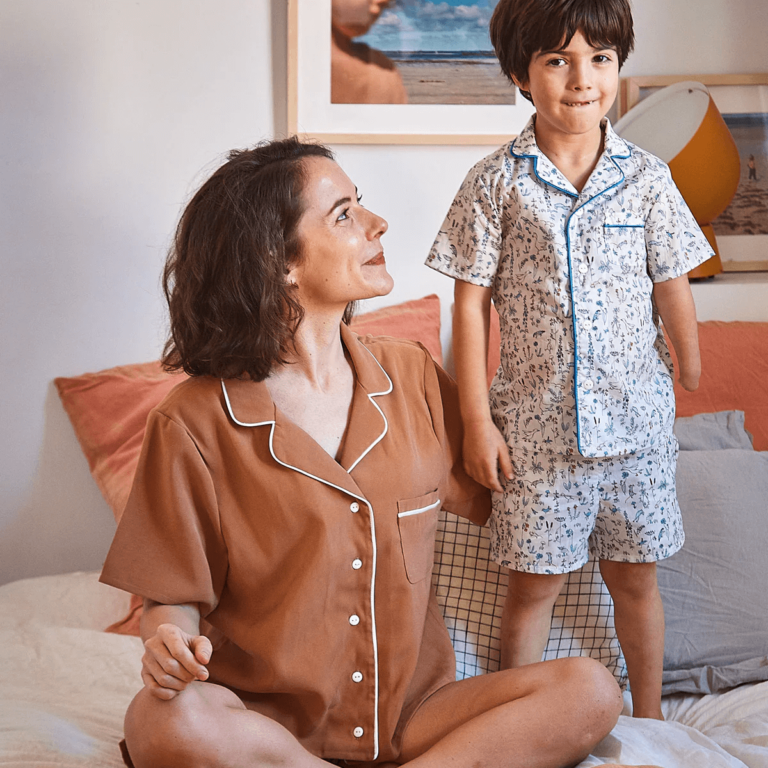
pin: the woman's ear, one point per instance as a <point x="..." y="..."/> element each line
<point x="291" y="276"/>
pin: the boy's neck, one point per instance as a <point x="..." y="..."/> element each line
<point x="575" y="156"/>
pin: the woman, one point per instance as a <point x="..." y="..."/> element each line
<point x="282" y="519"/>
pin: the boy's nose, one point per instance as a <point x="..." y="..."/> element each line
<point x="582" y="78"/>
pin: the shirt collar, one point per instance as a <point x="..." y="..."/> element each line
<point x="249" y="405"/>
<point x="614" y="148"/>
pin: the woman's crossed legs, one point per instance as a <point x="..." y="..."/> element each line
<point x="546" y="715"/>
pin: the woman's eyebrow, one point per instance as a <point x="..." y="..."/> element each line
<point x="339" y="202"/>
<point x="342" y="201"/>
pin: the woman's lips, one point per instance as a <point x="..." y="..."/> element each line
<point x="376" y="260"/>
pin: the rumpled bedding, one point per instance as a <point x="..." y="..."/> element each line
<point x="65" y="685"/>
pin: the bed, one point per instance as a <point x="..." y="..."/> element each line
<point x="66" y="682"/>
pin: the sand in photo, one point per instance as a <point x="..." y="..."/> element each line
<point x="454" y="81"/>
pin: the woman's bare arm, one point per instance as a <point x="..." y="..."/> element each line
<point x="175" y="653"/>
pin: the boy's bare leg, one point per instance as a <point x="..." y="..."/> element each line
<point x="545" y="715"/>
<point x="639" y="620"/>
<point x="208" y="726"/>
<point x="527" y="616"/>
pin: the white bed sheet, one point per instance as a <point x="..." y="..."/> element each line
<point x="65" y="685"/>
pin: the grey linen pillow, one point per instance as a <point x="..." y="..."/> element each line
<point x="715" y="590"/>
<point x="712" y="431"/>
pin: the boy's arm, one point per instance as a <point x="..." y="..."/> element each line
<point x="485" y="451"/>
<point x="674" y="301"/>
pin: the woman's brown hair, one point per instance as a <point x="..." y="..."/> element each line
<point x="232" y="313"/>
<point x="521" y="28"/>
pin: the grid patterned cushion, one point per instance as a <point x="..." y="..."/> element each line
<point x="471" y="590"/>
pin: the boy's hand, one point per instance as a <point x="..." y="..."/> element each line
<point x="173" y="659"/>
<point x="486" y="454"/>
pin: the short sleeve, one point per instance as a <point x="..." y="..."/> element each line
<point x="468" y="245"/>
<point x="674" y="241"/>
<point x="168" y="546"/>
<point x="460" y="495"/>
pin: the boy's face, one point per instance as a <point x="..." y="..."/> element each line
<point x="572" y="88"/>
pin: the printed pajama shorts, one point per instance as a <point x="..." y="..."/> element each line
<point x="558" y="509"/>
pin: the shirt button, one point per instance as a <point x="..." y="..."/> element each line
<point x="354" y="619"/>
<point x="357" y="677"/>
<point x="357" y="564"/>
<point x="583" y="269"/>
<point x="358" y="732"/>
<point x="588" y="384"/>
<point x="354" y="507"/>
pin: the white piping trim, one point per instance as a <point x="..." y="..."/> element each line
<point x="375" y="405"/>
<point x="232" y="413"/>
<point x="373" y="543"/>
<point x="418" y="511"/>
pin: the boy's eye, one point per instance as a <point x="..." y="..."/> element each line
<point x="602" y="58"/>
<point x="556" y="62"/>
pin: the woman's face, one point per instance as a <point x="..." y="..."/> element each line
<point x="341" y="257"/>
<point x="356" y="17"/>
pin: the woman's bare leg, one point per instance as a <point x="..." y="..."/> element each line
<point x="527" y="615"/>
<point x="545" y="715"/>
<point x="208" y="726"/>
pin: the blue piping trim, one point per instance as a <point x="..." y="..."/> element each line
<point x="573" y="303"/>
<point x="624" y="226"/>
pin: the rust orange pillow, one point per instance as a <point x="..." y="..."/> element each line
<point x="734" y="375"/>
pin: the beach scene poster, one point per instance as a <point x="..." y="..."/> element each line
<point x="747" y="213"/>
<point x="416" y="52"/>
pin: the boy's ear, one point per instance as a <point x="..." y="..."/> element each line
<point x="522" y="85"/>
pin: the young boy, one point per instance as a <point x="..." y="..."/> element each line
<point x="582" y="241"/>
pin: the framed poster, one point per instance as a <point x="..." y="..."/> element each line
<point x="398" y="72"/>
<point x="742" y="229"/>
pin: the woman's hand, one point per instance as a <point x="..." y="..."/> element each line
<point x="173" y="659"/>
<point x="486" y="454"/>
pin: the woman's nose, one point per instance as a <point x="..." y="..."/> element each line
<point x="376" y="225"/>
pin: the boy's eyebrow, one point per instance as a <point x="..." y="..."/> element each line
<point x="563" y="49"/>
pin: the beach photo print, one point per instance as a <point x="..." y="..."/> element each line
<point x="398" y="71"/>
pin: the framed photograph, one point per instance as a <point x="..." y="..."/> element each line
<point x="742" y="229"/>
<point x="398" y="72"/>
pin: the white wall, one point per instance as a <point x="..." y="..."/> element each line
<point x="112" y="112"/>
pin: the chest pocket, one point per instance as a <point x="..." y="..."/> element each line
<point x="623" y="249"/>
<point x="417" y="523"/>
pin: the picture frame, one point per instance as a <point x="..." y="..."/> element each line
<point x="742" y="99"/>
<point x="312" y="115"/>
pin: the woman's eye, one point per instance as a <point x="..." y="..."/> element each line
<point x="359" y="199"/>
<point x="343" y="215"/>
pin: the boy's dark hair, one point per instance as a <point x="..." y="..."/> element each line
<point x="232" y="313"/>
<point x="521" y="28"/>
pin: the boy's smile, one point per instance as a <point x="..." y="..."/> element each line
<point x="572" y="89"/>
